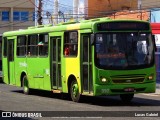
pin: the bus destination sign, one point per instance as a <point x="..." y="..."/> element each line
<point x="114" y="26"/>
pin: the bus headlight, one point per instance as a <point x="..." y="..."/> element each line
<point x="151" y="77"/>
<point x="104" y="80"/>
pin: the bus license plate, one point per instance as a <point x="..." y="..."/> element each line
<point x="129" y="89"/>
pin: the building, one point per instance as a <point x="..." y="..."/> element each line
<point x="120" y="9"/>
<point x="99" y="8"/>
<point x="88" y="9"/>
<point x="148" y="4"/>
<point x="16" y="14"/>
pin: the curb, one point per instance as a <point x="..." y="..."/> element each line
<point x="157" y="88"/>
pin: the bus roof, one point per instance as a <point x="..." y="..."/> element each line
<point x="84" y="24"/>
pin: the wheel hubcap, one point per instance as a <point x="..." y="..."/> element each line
<point x="25" y="89"/>
<point x="25" y="85"/>
<point x="75" y="90"/>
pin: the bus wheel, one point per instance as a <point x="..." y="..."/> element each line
<point x="74" y="91"/>
<point x="126" y="98"/>
<point x="25" y="85"/>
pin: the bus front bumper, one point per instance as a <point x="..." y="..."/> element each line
<point x="116" y="89"/>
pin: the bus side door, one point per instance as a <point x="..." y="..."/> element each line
<point x="86" y="64"/>
<point x="10" y="57"/>
<point x="55" y="44"/>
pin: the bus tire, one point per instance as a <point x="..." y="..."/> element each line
<point x="74" y="91"/>
<point x="126" y="98"/>
<point x="25" y="85"/>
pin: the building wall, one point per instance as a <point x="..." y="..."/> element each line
<point x="18" y="14"/>
<point x="117" y="9"/>
<point x="134" y="15"/>
<point x="101" y="8"/>
<point x="147" y="4"/>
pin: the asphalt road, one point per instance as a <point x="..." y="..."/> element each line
<point x="53" y="106"/>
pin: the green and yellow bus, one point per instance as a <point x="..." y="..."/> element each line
<point x="96" y="57"/>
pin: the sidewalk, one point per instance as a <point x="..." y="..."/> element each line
<point x="157" y="88"/>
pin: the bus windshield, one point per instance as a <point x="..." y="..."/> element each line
<point x="127" y="50"/>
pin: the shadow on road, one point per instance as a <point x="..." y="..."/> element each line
<point x="116" y="101"/>
<point x="1" y="81"/>
<point x="100" y="101"/>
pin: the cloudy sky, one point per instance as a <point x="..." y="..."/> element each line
<point x="64" y="5"/>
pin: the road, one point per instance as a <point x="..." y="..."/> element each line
<point x="13" y="99"/>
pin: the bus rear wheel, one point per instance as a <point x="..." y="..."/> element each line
<point x="126" y="98"/>
<point x="74" y="91"/>
<point x="25" y="85"/>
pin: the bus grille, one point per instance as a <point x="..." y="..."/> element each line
<point x="128" y="78"/>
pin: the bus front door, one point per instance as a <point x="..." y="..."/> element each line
<point x="55" y="44"/>
<point x="86" y="74"/>
<point x="10" y="57"/>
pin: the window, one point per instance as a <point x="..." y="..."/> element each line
<point x="123" y="50"/>
<point x="70" y="43"/>
<point x="4" y="47"/>
<point x="34" y="16"/>
<point x="20" y="16"/>
<point x="32" y="45"/>
<point x="5" y="15"/>
<point x="21" y="45"/>
<point x="43" y="45"/>
<point x="24" y="16"/>
<point x="16" y="16"/>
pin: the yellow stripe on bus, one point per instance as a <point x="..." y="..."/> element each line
<point x="73" y="27"/>
<point x="73" y="68"/>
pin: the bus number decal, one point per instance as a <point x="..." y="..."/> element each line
<point x="23" y="64"/>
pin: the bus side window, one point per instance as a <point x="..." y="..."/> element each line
<point x="71" y="43"/>
<point x="21" y="45"/>
<point x="32" y="45"/>
<point x="43" y="44"/>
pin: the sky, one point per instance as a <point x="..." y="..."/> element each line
<point x="155" y="15"/>
<point x="64" y="5"/>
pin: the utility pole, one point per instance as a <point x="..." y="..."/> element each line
<point x="40" y="13"/>
<point x="75" y="9"/>
<point x="140" y="8"/>
<point x="56" y="7"/>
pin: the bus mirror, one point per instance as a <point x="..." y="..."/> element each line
<point x="92" y="39"/>
<point x="154" y="41"/>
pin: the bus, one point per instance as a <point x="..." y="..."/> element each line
<point x="96" y="57"/>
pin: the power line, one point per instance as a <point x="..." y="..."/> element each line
<point x="103" y="13"/>
<point x="145" y="4"/>
<point x="100" y="11"/>
<point x="33" y="3"/>
<point x="46" y="18"/>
